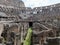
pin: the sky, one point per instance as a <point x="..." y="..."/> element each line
<point x="39" y="3"/>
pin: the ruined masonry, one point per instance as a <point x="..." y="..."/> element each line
<point x="15" y="19"/>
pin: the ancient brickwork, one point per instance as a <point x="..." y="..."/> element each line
<point x="16" y="18"/>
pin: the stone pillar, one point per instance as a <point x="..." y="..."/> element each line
<point x="19" y="30"/>
<point x="1" y="28"/>
<point x="22" y="33"/>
